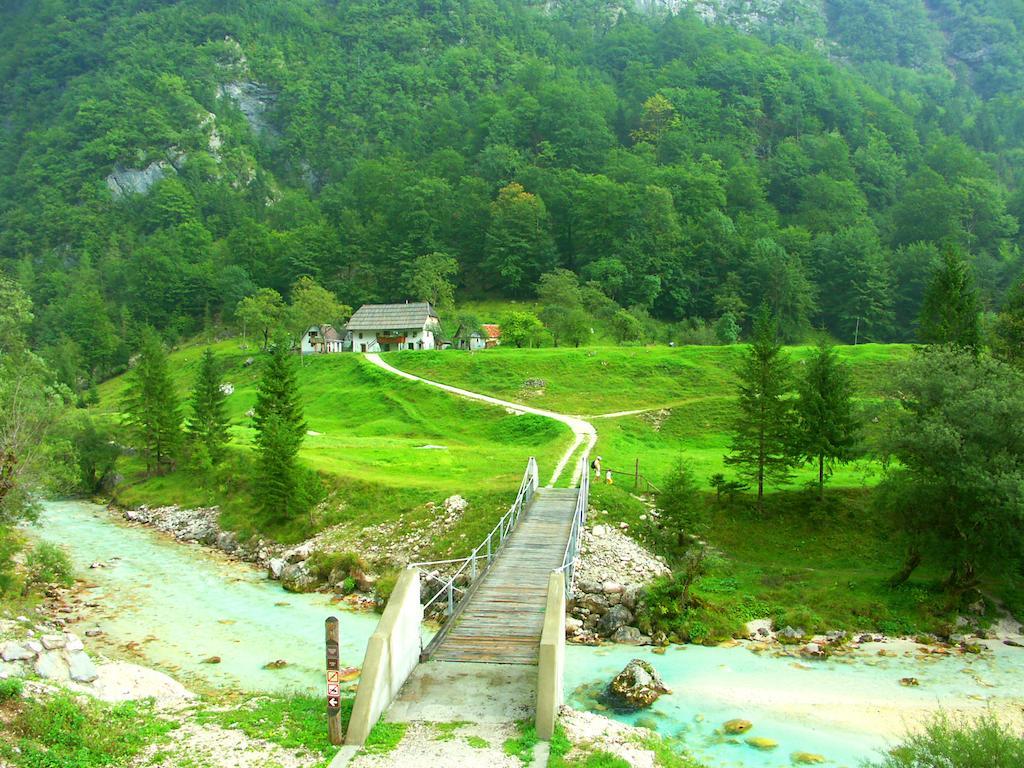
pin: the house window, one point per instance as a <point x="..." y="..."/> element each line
<point x="412" y="345"/>
<point x="360" y="335"/>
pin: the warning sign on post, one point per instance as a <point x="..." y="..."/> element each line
<point x="333" y="678"/>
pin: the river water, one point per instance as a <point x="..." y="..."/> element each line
<point x="174" y="605"/>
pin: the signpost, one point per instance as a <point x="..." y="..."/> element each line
<point x="333" y="684"/>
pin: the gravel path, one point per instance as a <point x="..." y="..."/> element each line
<point x="426" y="746"/>
<point x="583" y="430"/>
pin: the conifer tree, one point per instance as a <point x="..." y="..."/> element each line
<point x="824" y="409"/>
<point x="950" y="310"/>
<point x="151" y="406"/>
<point x="208" y="425"/>
<point x="1008" y="341"/>
<point x="280" y="430"/>
<point x="762" y="440"/>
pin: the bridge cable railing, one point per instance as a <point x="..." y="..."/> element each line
<point x="579" y="519"/>
<point x="442" y="596"/>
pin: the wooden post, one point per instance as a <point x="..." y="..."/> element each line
<point x="333" y="683"/>
<point x="636" y="474"/>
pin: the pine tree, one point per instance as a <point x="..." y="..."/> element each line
<point x="762" y="441"/>
<point x="950" y="310"/>
<point x="1008" y="341"/>
<point x="208" y="425"/>
<point x="152" y="410"/>
<point x="280" y="430"/>
<point x="824" y="409"/>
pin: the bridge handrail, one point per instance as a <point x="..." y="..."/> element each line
<point x="487" y="550"/>
<point x="579" y="519"/>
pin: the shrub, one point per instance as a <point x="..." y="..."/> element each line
<point x="385" y="586"/>
<point x="62" y="732"/>
<point x="10" y="689"/>
<point x="951" y="743"/>
<point x="48" y="564"/>
<point x="321" y="564"/>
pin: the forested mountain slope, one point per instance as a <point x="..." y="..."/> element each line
<point x="161" y="160"/>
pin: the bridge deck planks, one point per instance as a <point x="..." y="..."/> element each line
<point x="503" y="622"/>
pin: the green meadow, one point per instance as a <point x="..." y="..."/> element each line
<point x="383" y="445"/>
<point x="686" y="395"/>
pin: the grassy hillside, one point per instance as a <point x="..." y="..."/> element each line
<point x="384" y="445"/>
<point x="687" y="395"/>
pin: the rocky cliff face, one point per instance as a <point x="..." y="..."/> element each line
<point x="774" y="20"/>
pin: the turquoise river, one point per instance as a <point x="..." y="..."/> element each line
<point x="171" y="606"/>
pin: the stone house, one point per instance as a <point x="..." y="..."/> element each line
<point x="390" y="327"/>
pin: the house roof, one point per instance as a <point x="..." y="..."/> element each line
<point x="491" y="331"/>
<point x="376" y="317"/>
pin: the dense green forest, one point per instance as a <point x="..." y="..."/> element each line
<point x="160" y="161"/>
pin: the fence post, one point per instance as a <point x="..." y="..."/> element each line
<point x="636" y="474"/>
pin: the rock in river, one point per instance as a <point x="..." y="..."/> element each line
<point x="635" y="687"/>
<point x="734" y="727"/>
<point x="806" y="758"/>
<point x="297" y="578"/>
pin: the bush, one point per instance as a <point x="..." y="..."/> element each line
<point x="62" y="732"/>
<point x="10" y="689"/>
<point x="949" y="743"/>
<point x="48" y="564"/>
<point x="322" y="564"/>
<point x="385" y="586"/>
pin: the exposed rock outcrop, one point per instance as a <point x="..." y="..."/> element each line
<point x="637" y="686"/>
<point x="134" y="181"/>
<point x="613" y="569"/>
<point x="253" y="100"/>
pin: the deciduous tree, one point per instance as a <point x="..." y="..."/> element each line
<point x="264" y="311"/>
<point x="957" y="489"/>
<point x="430" y="278"/>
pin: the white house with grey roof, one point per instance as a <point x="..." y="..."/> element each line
<point x="390" y="327"/>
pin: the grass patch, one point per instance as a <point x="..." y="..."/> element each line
<point x="476" y="742"/>
<point x="64" y="732"/>
<point x="803" y="564"/>
<point x="11" y="688"/>
<point x="588" y="756"/>
<point x="384" y="738"/>
<point x="522" y="745"/>
<point x="297" y="721"/>
<point x="446" y="731"/>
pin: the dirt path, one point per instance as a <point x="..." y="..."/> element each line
<point x="584" y="432"/>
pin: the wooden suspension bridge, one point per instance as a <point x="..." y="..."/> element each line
<point x="500" y="608"/>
